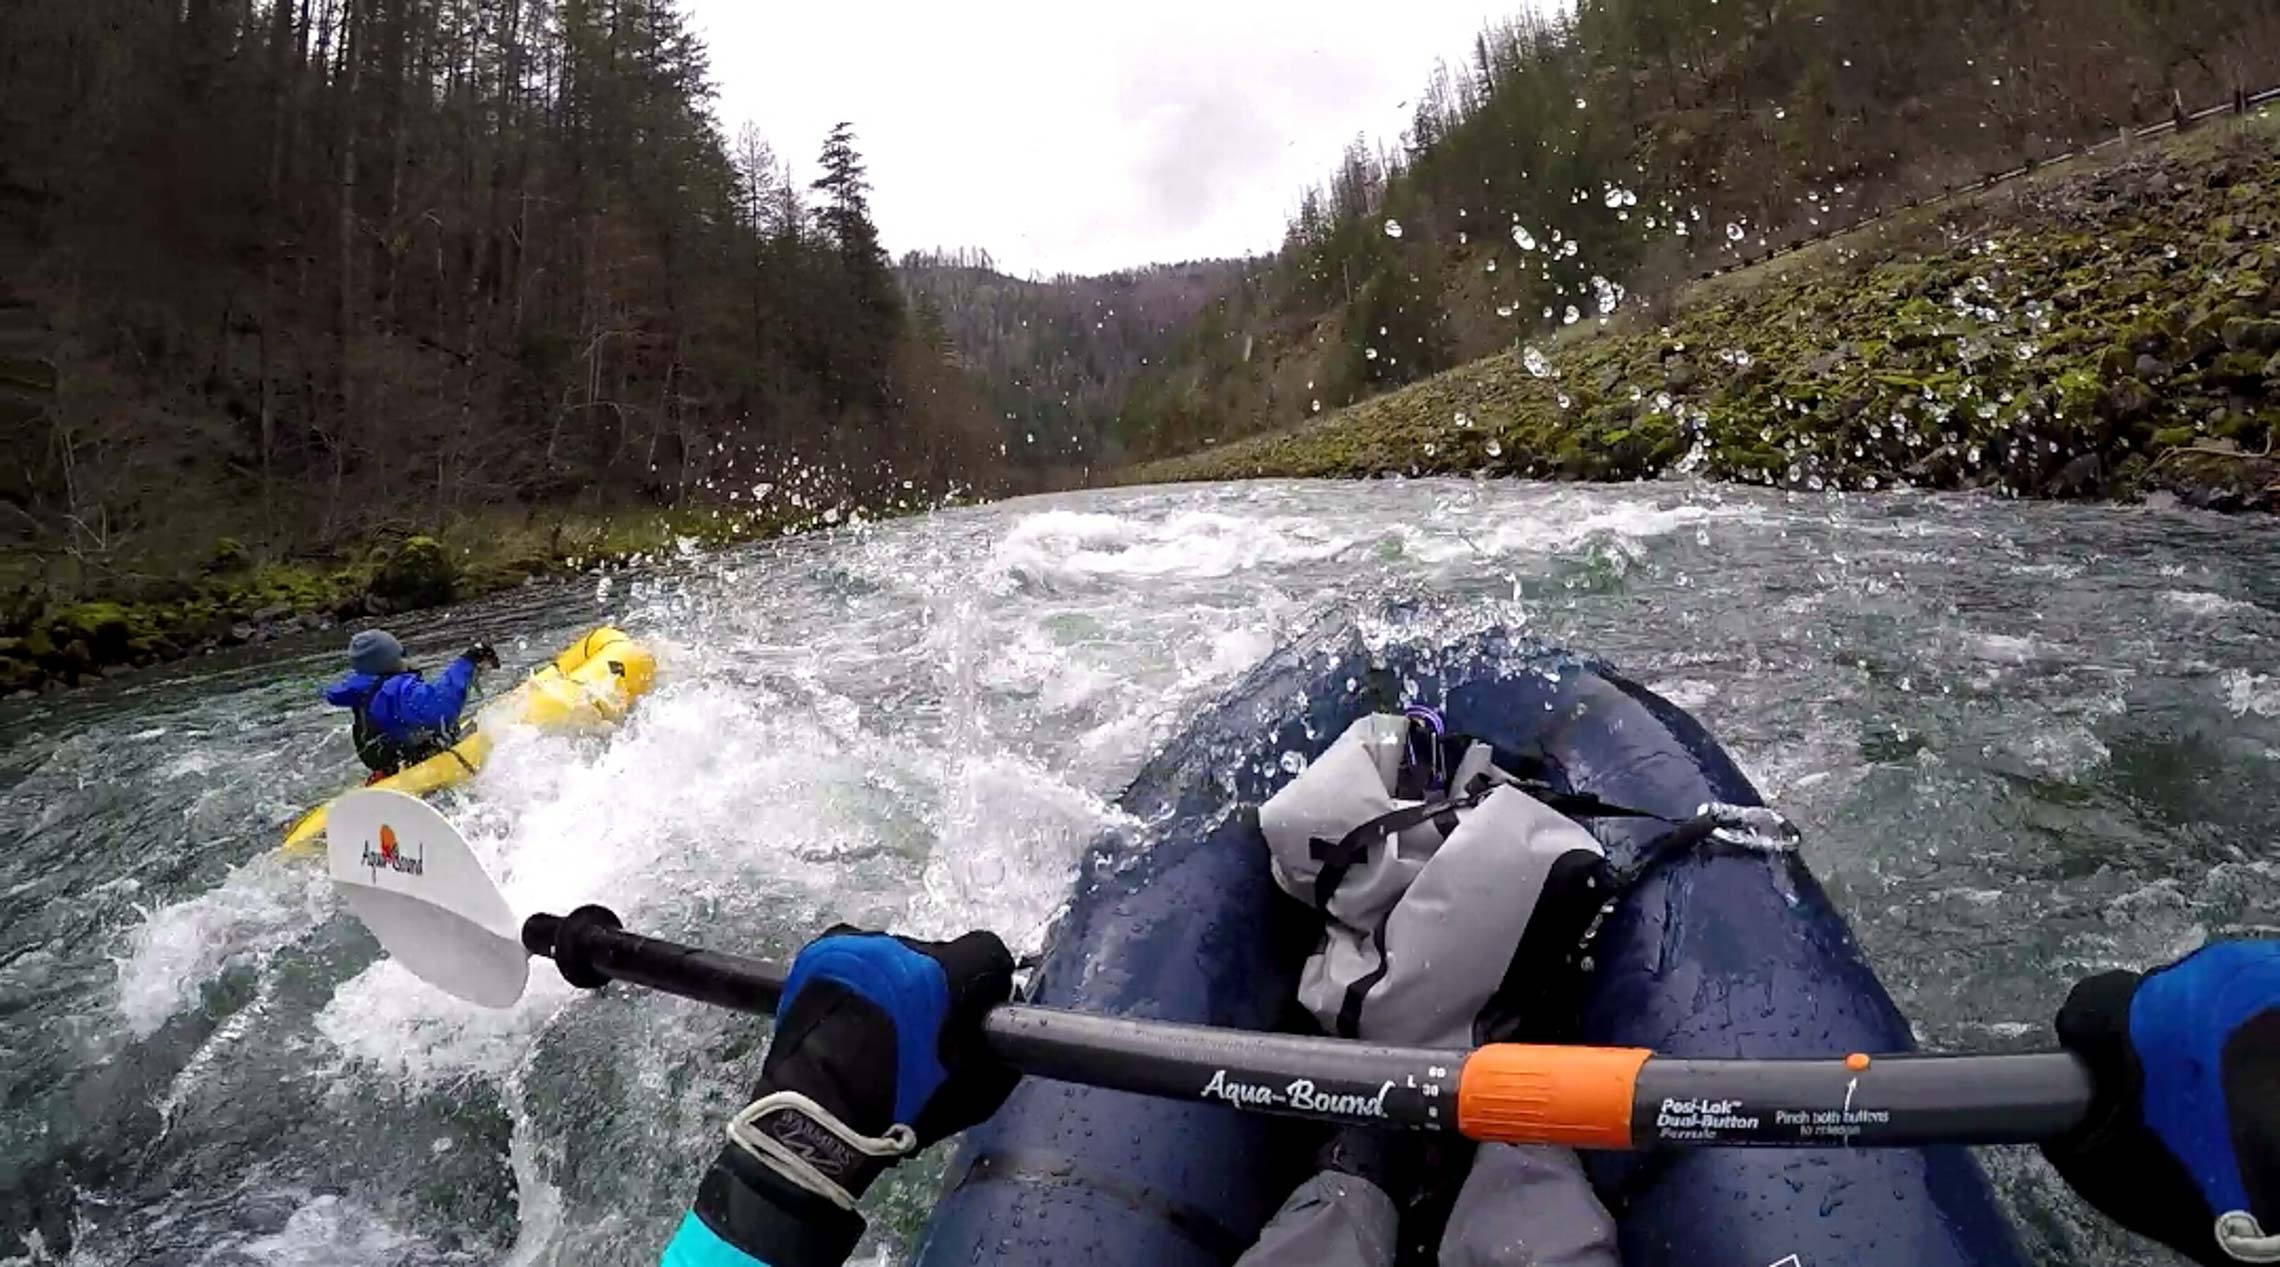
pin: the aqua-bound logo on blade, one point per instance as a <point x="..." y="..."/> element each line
<point x="389" y="857"/>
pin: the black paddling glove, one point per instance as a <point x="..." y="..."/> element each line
<point x="878" y="1052"/>
<point x="2183" y="1139"/>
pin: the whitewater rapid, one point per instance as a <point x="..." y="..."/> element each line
<point x="2025" y="742"/>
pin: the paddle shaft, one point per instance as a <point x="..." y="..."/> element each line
<point x="1584" y="1097"/>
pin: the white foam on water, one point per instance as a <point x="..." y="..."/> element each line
<point x="1064" y="547"/>
<point x="2246" y="693"/>
<point x="2006" y="1030"/>
<point x="328" y="1230"/>
<point x="1686" y="692"/>
<point x="1561" y="526"/>
<point x="538" y="1202"/>
<point x="37" y="1253"/>
<point x="2005" y="648"/>
<point x="1036" y="663"/>
<point x="2064" y="752"/>
<point x="703" y="774"/>
<point x="1804" y="775"/>
<point x="1008" y="834"/>
<point x="261" y="907"/>
<point x="2203" y="603"/>
<point x="245" y="1023"/>
<point x="1558" y="523"/>
<point x="192" y="764"/>
<point x="1227" y="653"/>
<point x="417" y="1036"/>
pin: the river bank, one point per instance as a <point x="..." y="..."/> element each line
<point x="2093" y="332"/>
<point x="54" y="637"/>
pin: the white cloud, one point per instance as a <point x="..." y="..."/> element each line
<point x="1083" y="136"/>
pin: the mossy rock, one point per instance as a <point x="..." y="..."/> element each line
<point x="2203" y="336"/>
<point x="2252" y="334"/>
<point x="2240" y="368"/>
<point x="69" y="656"/>
<point x="2130" y="478"/>
<point x="2152" y="334"/>
<point x="19" y="675"/>
<point x="1668" y="449"/>
<point x="228" y="556"/>
<point x="2080" y="394"/>
<point x="419" y="573"/>
<point x="526" y="565"/>
<point x="2130" y="400"/>
<point x="107" y="630"/>
<point x="2172" y="438"/>
<point x="278" y="584"/>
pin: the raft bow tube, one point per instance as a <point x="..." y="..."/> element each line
<point x="593" y="683"/>
<point x="1717" y="951"/>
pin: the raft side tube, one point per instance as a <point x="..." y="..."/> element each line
<point x="1716" y="952"/>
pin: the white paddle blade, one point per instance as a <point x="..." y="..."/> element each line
<point x="413" y="881"/>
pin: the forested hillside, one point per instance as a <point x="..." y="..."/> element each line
<point x="1574" y="165"/>
<point x="1058" y="357"/>
<point x="293" y="271"/>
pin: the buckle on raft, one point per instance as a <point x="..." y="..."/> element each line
<point x="1756" y="827"/>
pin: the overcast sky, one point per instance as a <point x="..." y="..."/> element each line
<point x="1079" y="135"/>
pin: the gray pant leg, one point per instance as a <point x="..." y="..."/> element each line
<point x="1331" y="1220"/>
<point x="1527" y="1207"/>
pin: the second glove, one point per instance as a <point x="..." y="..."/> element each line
<point x="2183" y="1140"/>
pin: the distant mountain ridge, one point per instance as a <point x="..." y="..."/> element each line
<point x="1059" y="356"/>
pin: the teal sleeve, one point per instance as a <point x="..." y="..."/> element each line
<point x="695" y="1245"/>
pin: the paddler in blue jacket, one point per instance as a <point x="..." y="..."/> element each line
<point x="878" y="1052"/>
<point x="399" y="719"/>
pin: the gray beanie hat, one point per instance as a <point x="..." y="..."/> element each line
<point x="375" y="651"/>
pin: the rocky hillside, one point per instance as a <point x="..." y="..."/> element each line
<point x="2088" y="332"/>
<point x="1589" y="159"/>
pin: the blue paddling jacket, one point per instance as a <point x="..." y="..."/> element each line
<point x="401" y="719"/>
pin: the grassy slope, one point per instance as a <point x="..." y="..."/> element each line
<point x="2090" y="331"/>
